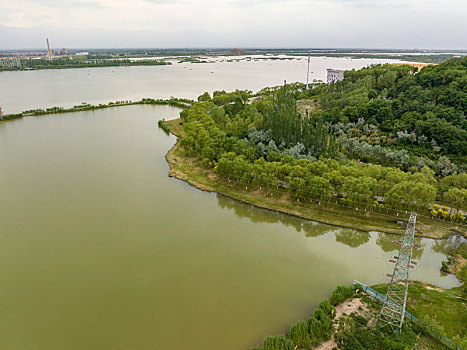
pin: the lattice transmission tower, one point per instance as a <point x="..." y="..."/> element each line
<point x="393" y="311"/>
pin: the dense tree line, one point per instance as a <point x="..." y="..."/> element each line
<point x="268" y="143"/>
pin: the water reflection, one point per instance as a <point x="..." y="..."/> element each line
<point x="258" y="215"/>
<point x="427" y="252"/>
<point x="352" y="238"/>
<point x="387" y="243"/>
<point x="445" y="246"/>
<point x="310" y="228"/>
<point x="315" y="229"/>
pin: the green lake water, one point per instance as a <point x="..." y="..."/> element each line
<point x="100" y="249"/>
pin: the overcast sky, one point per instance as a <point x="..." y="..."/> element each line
<point x="403" y="24"/>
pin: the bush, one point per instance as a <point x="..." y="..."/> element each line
<point x="388" y="344"/>
<point x="277" y="342"/>
<point x="299" y="334"/>
<point x="314" y="328"/>
<point x="325" y="329"/>
<point x="163" y="126"/>
<point x="445" y="266"/>
<point x="328" y="309"/>
<point x="341" y="294"/>
<point x="353" y="333"/>
<point x="319" y="327"/>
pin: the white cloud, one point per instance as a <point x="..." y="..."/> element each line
<point x="317" y="23"/>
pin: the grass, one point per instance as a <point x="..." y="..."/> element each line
<point x="460" y="262"/>
<point x="176" y="127"/>
<point x="191" y="171"/>
<point x="446" y="306"/>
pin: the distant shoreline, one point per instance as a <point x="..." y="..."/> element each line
<point x="112" y="60"/>
<point x="174" y="102"/>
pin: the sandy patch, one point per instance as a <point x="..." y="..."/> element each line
<point x="459" y="264"/>
<point x="347" y="307"/>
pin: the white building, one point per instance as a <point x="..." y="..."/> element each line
<point x="10" y="62"/>
<point x="335" y="75"/>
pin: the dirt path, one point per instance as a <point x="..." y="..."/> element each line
<point x="347" y="307"/>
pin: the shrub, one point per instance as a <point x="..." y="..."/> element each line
<point x="460" y="340"/>
<point x="299" y="334"/>
<point x="328" y="309"/>
<point x="163" y="126"/>
<point x="314" y="329"/>
<point x="353" y="333"/>
<point x="278" y="342"/>
<point x="445" y="266"/>
<point x="319" y="327"/>
<point x="325" y="325"/>
<point x="341" y="293"/>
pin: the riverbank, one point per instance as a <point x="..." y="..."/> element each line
<point x="349" y="320"/>
<point x="192" y="171"/>
<point x="174" y="102"/>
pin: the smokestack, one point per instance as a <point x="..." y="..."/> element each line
<point x="48" y="49"/>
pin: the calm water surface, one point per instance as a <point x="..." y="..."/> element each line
<point x="99" y="249"/>
<point x="20" y="91"/>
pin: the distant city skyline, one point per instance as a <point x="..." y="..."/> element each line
<point x="418" y="24"/>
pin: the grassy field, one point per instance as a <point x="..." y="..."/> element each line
<point x="445" y="307"/>
<point x="191" y="171"/>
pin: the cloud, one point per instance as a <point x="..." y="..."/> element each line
<point x="91" y="4"/>
<point x="195" y="23"/>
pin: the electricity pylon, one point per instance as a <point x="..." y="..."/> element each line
<point x="393" y="311"/>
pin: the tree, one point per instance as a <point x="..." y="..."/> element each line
<point x="204" y="97"/>
<point x="456" y="199"/>
<point x="409" y="194"/>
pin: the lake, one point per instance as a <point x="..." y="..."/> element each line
<point x="100" y="249"/>
<point x="25" y="90"/>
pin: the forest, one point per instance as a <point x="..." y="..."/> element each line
<point x="386" y="136"/>
<point x="398" y="108"/>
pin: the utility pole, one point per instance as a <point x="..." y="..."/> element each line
<point x="393" y="311"/>
<point x="308" y="71"/>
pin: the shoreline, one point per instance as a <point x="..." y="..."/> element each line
<point x="190" y="171"/>
<point x="187" y="170"/>
<point x="174" y="102"/>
